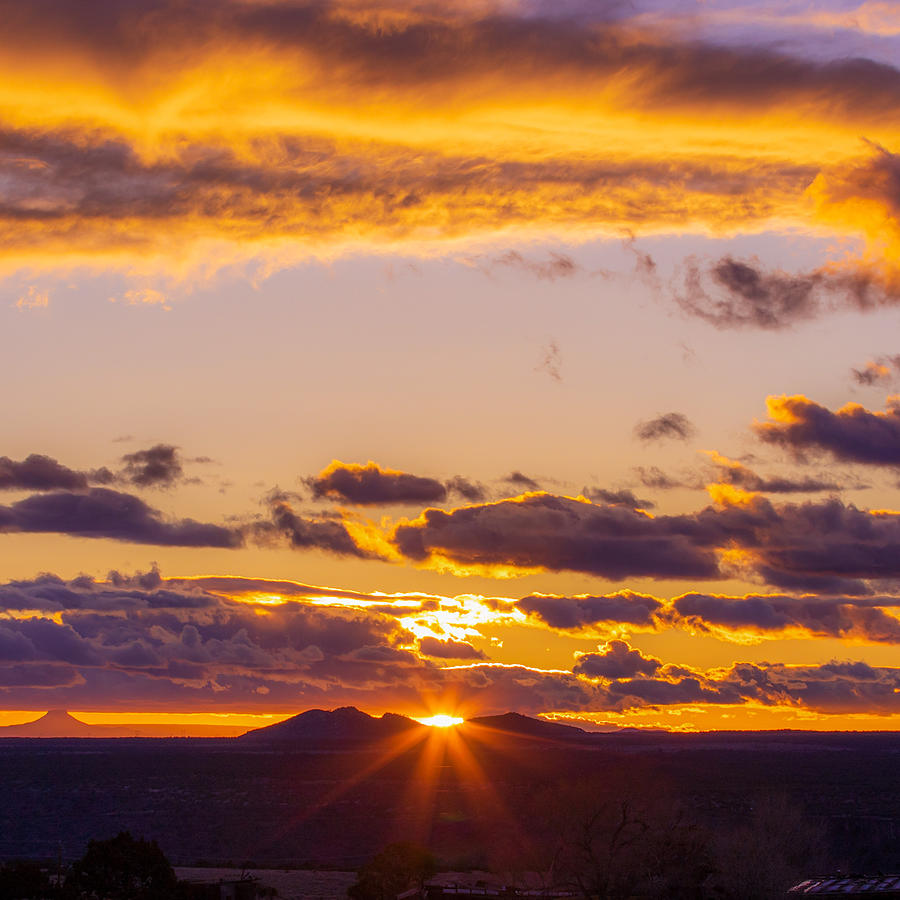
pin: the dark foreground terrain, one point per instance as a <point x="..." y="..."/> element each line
<point x="233" y="802"/>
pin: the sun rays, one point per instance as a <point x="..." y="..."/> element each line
<point x="441" y="721"/>
<point x="444" y="776"/>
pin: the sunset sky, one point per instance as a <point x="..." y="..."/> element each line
<point x="534" y="355"/>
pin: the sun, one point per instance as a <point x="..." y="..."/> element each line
<point x="441" y="721"/>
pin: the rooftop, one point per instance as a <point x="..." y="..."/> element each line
<point x="850" y="886"/>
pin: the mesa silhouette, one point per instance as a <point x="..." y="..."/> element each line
<point x="58" y="723"/>
<point x="349" y="725"/>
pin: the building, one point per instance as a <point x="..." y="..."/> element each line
<point x="881" y="886"/>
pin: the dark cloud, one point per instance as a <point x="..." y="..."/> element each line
<point x="176" y="640"/>
<point x="586" y="612"/>
<point x="370" y="484"/>
<point x="104" y="513"/>
<point x="826" y="547"/>
<point x="521" y="481"/>
<point x="183" y="645"/>
<point x="37" y="678"/>
<point x="823" y="547"/>
<point x="872" y="618"/>
<point x="803" y="580"/>
<point x="327" y="532"/>
<point x="48" y="640"/>
<point x="732" y="293"/>
<point x="833" y="688"/>
<point x="157" y="466"/>
<point x="43" y="473"/>
<point x="654" y="477"/>
<point x="729" y="471"/>
<point x="622" y="497"/>
<point x="842" y="618"/>
<point x="468" y="490"/>
<point x="431" y="646"/>
<point x="782" y="485"/>
<point x="733" y="472"/>
<point x="617" y="660"/>
<point x="146" y="580"/>
<point x="669" y="425"/>
<point x="853" y="433"/>
<point x="557" y="533"/>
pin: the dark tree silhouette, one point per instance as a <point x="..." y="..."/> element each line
<point x="397" y="868"/>
<point x="776" y="846"/>
<point x="613" y="837"/>
<point x="122" y="868"/>
<point x="23" y="881"/>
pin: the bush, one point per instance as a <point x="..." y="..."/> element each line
<point x="122" y="868"/>
<point x="397" y="868"/>
<point x="23" y="881"/>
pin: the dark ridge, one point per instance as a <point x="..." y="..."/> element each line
<point x="516" y="724"/>
<point x="344" y="725"/>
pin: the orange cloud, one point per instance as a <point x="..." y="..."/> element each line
<point x="170" y="137"/>
<point x="177" y="646"/>
<point x="33" y="299"/>
<point x="143" y="297"/>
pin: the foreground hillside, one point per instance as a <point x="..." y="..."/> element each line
<point x="235" y="801"/>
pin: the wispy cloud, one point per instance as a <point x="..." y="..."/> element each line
<point x="880" y="371"/>
<point x="673" y="425"/>
<point x="551" y="361"/>
<point x="33" y="299"/>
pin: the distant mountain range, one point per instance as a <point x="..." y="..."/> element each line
<point x="57" y="723"/>
<point x="315" y="727"/>
<point x="524" y="726"/>
<point x="352" y="726"/>
<point x="347" y="724"/>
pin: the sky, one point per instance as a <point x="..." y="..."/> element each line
<point x="451" y="359"/>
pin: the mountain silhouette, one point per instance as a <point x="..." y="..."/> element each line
<point x="344" y="725"/>
<point x="56" y="723"/>
<point x="331" y="728"/>
<point x="348" y="725"/>
<point x="514" y="724"/>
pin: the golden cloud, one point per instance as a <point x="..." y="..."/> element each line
<point x="174" y="135"/>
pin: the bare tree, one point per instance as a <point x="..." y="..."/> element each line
<point x="613" y="838"/>
<point x="776" y="846"/>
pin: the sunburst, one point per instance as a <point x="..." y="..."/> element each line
<point x="441" y="721"/>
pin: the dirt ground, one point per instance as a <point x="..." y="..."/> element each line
<point x="291" y="884"/>
<point x="304" y="884"/>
